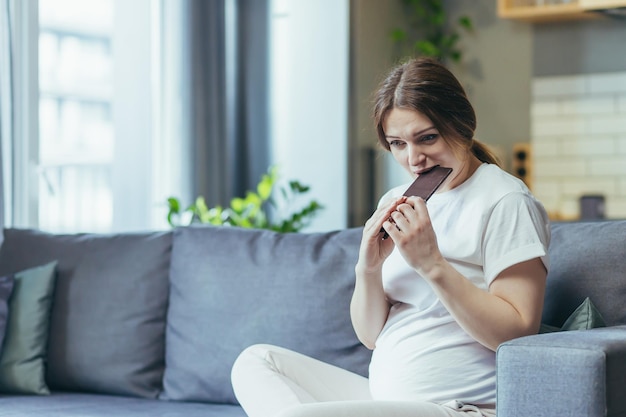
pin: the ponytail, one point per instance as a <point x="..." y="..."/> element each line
<point x="484" y="153"/>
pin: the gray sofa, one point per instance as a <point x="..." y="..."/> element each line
<point x="149" y="324"/>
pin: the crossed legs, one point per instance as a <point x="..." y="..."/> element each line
<point x="271" y="381"/>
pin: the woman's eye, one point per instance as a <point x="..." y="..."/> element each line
<point x="395" y="143"/>
<point x="430" y="138"/>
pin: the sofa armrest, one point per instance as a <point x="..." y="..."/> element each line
<point x="573" y="373"/>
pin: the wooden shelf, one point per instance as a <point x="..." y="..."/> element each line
<point x="552" y="12"/>
<point x="602" y="4"/>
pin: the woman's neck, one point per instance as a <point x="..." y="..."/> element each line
<point x="469" y="166"/>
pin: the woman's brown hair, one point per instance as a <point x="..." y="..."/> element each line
<point x="427" y="86"/>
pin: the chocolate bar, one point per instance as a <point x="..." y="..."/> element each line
<point x="425" y="185"/>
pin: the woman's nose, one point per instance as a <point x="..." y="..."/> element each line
<point x="416" y="157"/>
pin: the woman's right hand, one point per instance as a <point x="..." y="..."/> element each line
<point x="369" y="307"/>
<point x="374" y="249"/>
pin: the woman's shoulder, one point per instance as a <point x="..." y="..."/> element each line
<point x="492" y="187"/>
<point x="492" y="179"/>
<point x="508" y="194"/>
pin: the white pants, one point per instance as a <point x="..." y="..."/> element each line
<point x="271" y="381"/>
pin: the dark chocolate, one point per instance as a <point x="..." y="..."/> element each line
<point x="425" y="185"/>
<point x="427" y="182"/>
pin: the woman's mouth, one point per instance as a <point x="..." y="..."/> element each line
<point x="425" y="170"/>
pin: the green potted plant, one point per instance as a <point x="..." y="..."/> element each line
<point x="427" y="31"/>
<point x="269" y="207"/>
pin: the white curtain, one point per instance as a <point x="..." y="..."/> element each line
<point x="6" y="99"/>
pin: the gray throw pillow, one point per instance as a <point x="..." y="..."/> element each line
<point x="6" y="288"/>
<point x="107" y="326"/>
<point x="23" y="360"/>
<point x="232" y="287"/>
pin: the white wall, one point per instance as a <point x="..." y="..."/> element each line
<point x="579" y="141"/>
<point x="309" y="101"/>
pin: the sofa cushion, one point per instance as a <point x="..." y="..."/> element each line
<point x="232" y="287"/>
<point x="22" y="364"/>
<point x="586" y="260"/>
<point x="6" y="288"/>
<point x="108" y="316"/>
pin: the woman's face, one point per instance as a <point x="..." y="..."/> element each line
<point x="416" y="144"/>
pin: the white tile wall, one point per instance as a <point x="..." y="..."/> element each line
<point x="579" y="142"/>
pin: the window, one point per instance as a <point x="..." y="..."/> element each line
<point x="93" y="156"/>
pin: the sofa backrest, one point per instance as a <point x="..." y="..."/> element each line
<point x="228" y="288"/>
<point x="588" y="259"/>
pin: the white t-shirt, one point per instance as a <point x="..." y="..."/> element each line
<point x="485" y="225"/>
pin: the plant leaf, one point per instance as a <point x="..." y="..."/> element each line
<point x="238" y="205"/>
<point x="200" y="204"/>
<point x="174" y="204"/>
<point x="427" y="48"/>
<point x="253" y="199"/>
<point x="449" y="41"/>
<point x="298" y="188"/>
<point x="466" y="23"/>
<point x="398" y="35"/>
<point x="456" y="55"/>
<point x="264" y="188"/>
<point x="439" y="18"/>
<point x="173" y="211"/>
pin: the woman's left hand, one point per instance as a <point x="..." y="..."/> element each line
<point x="414" y="236"/>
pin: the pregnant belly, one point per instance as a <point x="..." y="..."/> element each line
<point x="438" y="366"/>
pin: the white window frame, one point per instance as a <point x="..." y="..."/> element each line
<point x="21" y="182"/>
